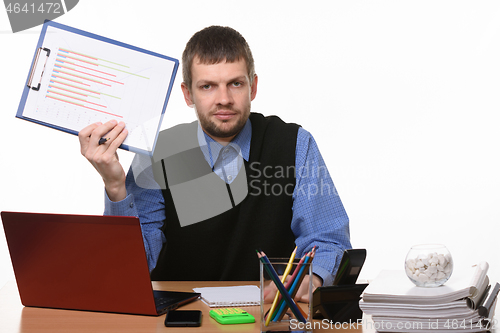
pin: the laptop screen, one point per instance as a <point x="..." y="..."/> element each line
<point x="81" y="262"/>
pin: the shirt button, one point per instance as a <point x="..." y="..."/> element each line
<point x="229" y="178"/>
<point x="131" y="205"/>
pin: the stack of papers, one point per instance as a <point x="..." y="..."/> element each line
<point x="397" y="305"/>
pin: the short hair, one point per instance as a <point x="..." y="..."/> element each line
<point x="213" y="45"/>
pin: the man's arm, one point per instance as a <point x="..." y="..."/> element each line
<point x="104" y="157"/>
<point x="319" y="218"/>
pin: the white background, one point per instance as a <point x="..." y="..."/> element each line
<point x="401" y="96"/>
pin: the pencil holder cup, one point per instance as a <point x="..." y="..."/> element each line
<point x="279" y="314"/>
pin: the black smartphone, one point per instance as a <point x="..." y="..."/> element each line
<point x="183" y="318"/>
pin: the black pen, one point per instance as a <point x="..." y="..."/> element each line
<point x="103" y="140"/>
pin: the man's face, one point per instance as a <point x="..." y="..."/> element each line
<point x="222" y="95"/>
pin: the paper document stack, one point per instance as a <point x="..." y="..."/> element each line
<point x="465" y="303"/>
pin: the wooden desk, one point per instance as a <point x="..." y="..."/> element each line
<point x="16" y="318"/>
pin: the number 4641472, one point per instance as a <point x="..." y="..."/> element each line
<point x="44" y="7"/>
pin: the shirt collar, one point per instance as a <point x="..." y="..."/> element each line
<point x="211" y="148"/>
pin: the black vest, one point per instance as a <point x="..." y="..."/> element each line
<point x="223" y="247"/>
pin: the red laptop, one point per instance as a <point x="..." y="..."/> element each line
<point x="82" y="262"/>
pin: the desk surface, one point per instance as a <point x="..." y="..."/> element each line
<point x="16" y="318"/>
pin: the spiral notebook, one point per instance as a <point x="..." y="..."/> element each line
<point x="230" y="296"/>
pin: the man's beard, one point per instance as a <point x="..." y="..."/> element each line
<point x="213" y="130"/>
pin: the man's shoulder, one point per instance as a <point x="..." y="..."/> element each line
<point x="259" y="120"/>
<point x="175" y="140"/>
<point x="179" y="129"/>
<point x="271" y="133"/>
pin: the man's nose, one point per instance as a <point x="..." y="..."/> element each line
<point x="224" y="96"/>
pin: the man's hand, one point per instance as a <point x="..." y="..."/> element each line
<point x="104" y="157"/>
<point x="302" y="294"/>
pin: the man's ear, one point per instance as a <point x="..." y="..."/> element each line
<point x="187" y="95"/>
<point x="253" y="91"/>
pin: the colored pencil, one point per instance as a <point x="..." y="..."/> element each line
<point x="274" y="276"/>
<point x="285" y="274"/>
<point x="289" y="284"/>
<point x="280" y="312"/>
<point x="295" y="284"/>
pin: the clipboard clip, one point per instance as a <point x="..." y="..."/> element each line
<point x="33" y="68"/>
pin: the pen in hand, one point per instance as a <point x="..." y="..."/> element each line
<point x="103" y="140"/>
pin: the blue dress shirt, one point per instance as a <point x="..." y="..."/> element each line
<point x="319" y="218"/>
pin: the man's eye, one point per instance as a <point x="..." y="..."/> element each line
<point x="205" y="87"/>
<point x="236" y="84"/>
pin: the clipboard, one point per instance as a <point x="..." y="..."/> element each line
<point x="77" y="78"/>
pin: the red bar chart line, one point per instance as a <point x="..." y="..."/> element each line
<point x="100" y="77"/>
<point x="53" y="92"/>
<point x="81" y="77"/>
<point x="95" y="70"/>
<point x="92" y="91"/>
<point x="92" y="57"/>
<point x="73" y="92"/>
<point x="96" y="104"/>
<point x="80" y="54"/>
<point x="69" y="85"/>
<point x="51" y="85"/>
<point x="66" y="56"/>
<point x="78" y="99"/>
<point x="83" y="106"/>
<point x="65" y="78"/>
<point x="99" y="64"/>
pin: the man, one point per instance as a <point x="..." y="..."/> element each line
<point x="290" y="201"/>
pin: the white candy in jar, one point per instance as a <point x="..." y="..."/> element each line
<point x="429" y="268"/>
